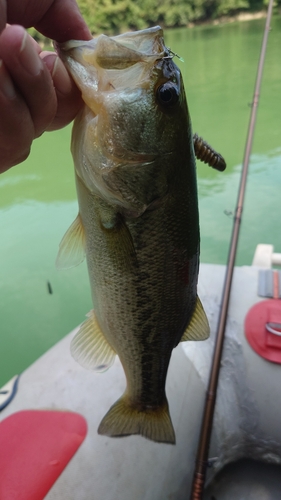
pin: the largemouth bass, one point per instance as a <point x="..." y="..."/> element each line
<point x="138" y="222"/>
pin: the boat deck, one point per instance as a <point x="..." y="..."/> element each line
<point x="246" y="480"/>
<point x="246" y="424"/>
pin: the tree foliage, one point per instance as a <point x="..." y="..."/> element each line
<point x="112" y="16"/>
<point x="115" y="16"/>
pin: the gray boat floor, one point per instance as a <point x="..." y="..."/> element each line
<point x="246" y="423"/>
<point x="246" y="480"/>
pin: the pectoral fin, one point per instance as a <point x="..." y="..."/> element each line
<point x="198" y="328"/>
<point x="72" y="246"/>
<point x="118" y="240"/>
<point x="90" y="348"/>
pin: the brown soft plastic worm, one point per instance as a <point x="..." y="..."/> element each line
<point x="207" y="154"/>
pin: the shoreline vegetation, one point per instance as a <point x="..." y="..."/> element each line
<point x="112" y="17"/>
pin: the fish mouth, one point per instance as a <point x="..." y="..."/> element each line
<point x="148" y="41"/>
<point x="117" y="52"/>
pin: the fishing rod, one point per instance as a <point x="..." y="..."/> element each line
<point x="207" y="420"/>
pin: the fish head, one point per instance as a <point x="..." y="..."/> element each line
<point x="134" y="118"/>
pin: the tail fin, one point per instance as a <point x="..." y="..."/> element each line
<point x="123" y="420"/>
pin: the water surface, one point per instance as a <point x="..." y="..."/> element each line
<point x="39" y="305"/>
<point x="219" y="73"/>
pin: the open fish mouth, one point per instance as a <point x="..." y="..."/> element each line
<point x="121" y="51"/>
<point x="130" y="53"/>
<point x="134" y="60"/>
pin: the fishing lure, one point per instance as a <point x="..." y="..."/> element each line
<point x="204" y="152"/>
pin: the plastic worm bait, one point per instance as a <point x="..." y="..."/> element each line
<point x="207" y="154"/>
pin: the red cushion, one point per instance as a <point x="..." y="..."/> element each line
<point x="35" y="447"/>
<point x="262" y="320"/>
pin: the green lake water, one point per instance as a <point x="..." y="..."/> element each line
<point x="38" y="200"/>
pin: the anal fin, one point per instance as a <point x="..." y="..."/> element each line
<point x="90" y="348"/>
<point x="198" y="327"/>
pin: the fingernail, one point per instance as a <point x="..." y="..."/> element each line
<point x="6" y="83"/>
<point x="29" y="58"/>
<point x="61" y="78"/>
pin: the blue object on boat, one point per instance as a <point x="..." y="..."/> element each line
<point x="269" y="281"/>
<point x="8" y="392"/>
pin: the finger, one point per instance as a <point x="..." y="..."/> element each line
<point x="36" y="45"/>
<point x="68" y="96"/>
<point x="30" y="76"/>
<point x="63" y="21"/>
<point x="57" y="19"/>
<point x="16" y="126"/>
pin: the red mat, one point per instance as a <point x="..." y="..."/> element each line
<point x="35" y="447"/>
<point x="263" y="329"/>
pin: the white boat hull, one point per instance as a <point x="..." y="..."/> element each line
<point x="247" y="417"/>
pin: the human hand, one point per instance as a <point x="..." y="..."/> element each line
<point x="36" y="92"/>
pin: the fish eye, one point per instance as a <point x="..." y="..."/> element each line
<point x="167" y="94"/>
